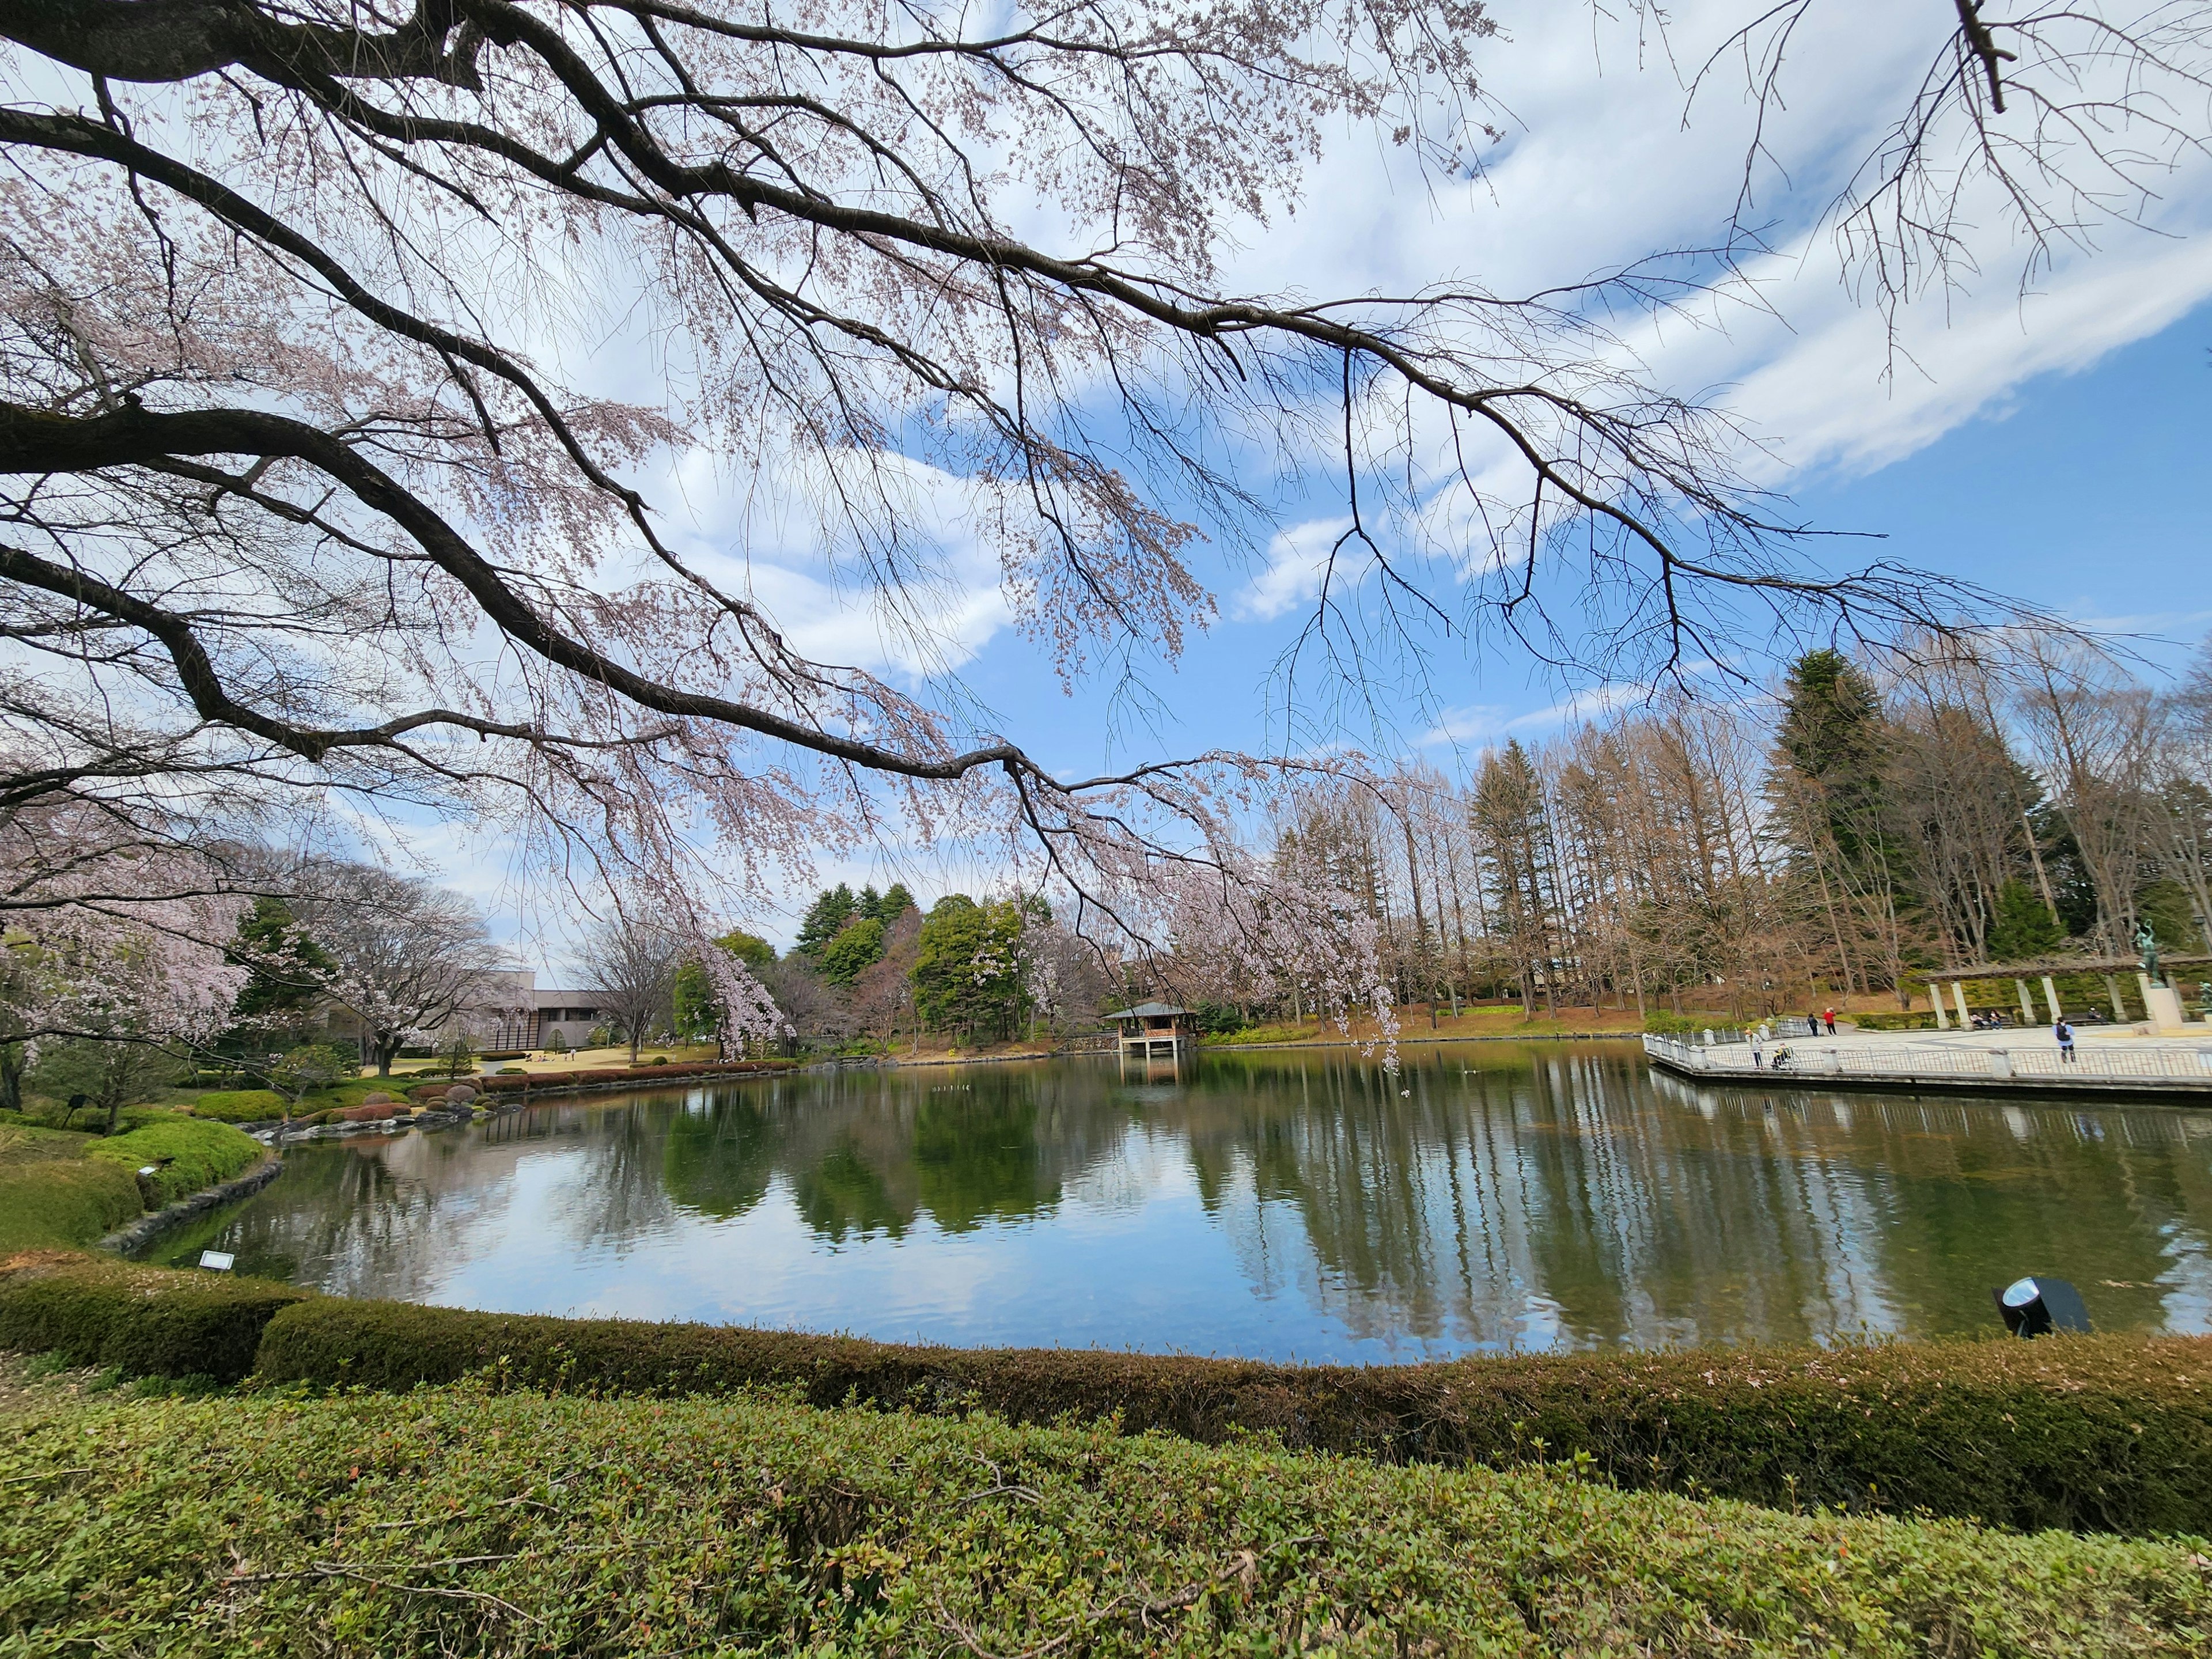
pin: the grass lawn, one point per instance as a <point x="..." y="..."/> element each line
<point x="460" y="1520"/>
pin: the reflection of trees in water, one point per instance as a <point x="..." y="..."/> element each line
<point x="372" y="1216"/>
<point x="1557" y="1195"/>
<point x="1510" y="1195"/>
<point x="868" y="1152"/>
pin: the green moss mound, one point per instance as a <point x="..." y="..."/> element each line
<point x="2092" y="1434"/>
<point x="458" y="1522"/>
<point x="146" y="1321"/>
<point x="190" y="1154"/>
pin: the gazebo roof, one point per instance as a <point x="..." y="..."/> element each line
<point x="1144" y="1011"/>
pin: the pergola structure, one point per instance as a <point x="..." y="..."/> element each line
<point x="2047" y="968"/>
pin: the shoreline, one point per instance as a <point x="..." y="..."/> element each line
<point x="127" y="1241"/>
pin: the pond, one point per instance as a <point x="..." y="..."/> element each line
<point x="1285" y="1205"/>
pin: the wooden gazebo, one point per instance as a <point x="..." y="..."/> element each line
<point x="1153" y="1028"/>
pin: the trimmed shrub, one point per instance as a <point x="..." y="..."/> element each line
<point x="547" y="1082"/>
<point x="238" y="1105"/>
<point x="376" y="1114"/>
<point x="454" y="1522"/>
<point x="1921" y="1020"/>
<point x="197" y="1155"/>
<point x="149" y="1321"/>
<point x="77" y="1201"/>
<point x="2106" y="1433"/>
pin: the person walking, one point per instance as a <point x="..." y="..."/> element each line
<point x="2064" y="1033"/>
<point x="1830" y="1016"/>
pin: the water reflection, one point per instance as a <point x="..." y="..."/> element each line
<point x="1302" y="1204"/>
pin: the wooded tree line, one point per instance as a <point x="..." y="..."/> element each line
<point x="1866" y="821"/>
<point x="876" y="966"/>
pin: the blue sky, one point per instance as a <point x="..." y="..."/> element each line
<point x="2049" y="444"/>
<point x="2083" y="493"/>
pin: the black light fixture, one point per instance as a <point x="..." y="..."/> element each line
<point x="2037" y="1305"/>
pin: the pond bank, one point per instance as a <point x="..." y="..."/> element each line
<point x="146" y="1230"/>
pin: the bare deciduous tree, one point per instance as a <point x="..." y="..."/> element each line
<point x="299" y="497"/>
<point x="408" y="958"/>
<point x="631" y="967"/>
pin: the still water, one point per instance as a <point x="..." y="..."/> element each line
<point x="1301" y="1206"/>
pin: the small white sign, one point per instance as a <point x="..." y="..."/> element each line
<point x="217" y="1260"/>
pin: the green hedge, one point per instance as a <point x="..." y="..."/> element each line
<point x="1921" y="1020"/>
<point x="78" y="1201"/>
<point x="199" y="1155"/>
<point x="260" y="1105"/>
<point x="238" y="1105"/>
<point x="149" y="1321"/>
<point x="463" y="1522"/>
<point x="2108" y="1433"/>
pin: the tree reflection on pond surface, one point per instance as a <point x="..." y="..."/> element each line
<point x="1287" y="1205"/>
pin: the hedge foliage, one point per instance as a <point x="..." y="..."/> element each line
<point x="2105" y="1433"/>
<point x="147" y="1321"/>
<point x="79" y="1201"/>
<point x="238" y="1105"/>
<point x="462" y="1521"/>
<point x="260" y="1105"/>
<point x="190" y="1155"/>
<point x="656" y="1072"/>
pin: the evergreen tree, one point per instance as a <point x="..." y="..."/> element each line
<point x="825" y="919"/>
<point x="1833" y="739"/>
<point x="287" y="969"/>
<point x="967" y="972"/>
<point x="2023" y="927"/>
<point x="861" y="946"/>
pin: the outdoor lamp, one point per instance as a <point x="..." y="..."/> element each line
<point x="2037" y="1306"/>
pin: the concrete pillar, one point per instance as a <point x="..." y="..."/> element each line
<point x="1959" y="996"/>
<point x="1935" y="996"/>
<point x="2027" y="1003"/>
<point x="2051" y="996"/>
<point x="2119" y="1008"/>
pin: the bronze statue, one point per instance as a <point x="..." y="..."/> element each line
<point x="2147" y="942"/>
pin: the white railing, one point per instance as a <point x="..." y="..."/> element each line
<point x="1808" y="1060"/>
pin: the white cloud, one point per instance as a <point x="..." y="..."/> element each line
<point x="1598" y="170"/>
<point x="1297" y="558"/>
<point x="822" y="595"/>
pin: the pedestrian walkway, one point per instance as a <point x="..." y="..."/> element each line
<point x="2107" y="1060"/>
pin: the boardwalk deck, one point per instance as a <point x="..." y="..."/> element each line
<point x="2133" y="1069"/>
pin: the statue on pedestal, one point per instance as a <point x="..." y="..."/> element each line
<point x="2147" y="942"/>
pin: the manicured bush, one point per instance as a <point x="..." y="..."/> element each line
<point x="262" y="1105"/>
<point x="147" y="1321"/>
<point x="463" y="1521"/>
<point x="1920" y="1020"/>
<point x="2109" y="1433"/>
<point x="238" y="1105"/>
<point x="366" y="1114"/>
<point x="197" y="1155"/>
<point x="76" y="1202"/>
<point x="548" y="1082"/>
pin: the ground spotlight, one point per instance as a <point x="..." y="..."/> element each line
<point x="2037" y="1306"/>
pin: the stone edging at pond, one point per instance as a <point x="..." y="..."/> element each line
<point x="137" y="1235"/>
